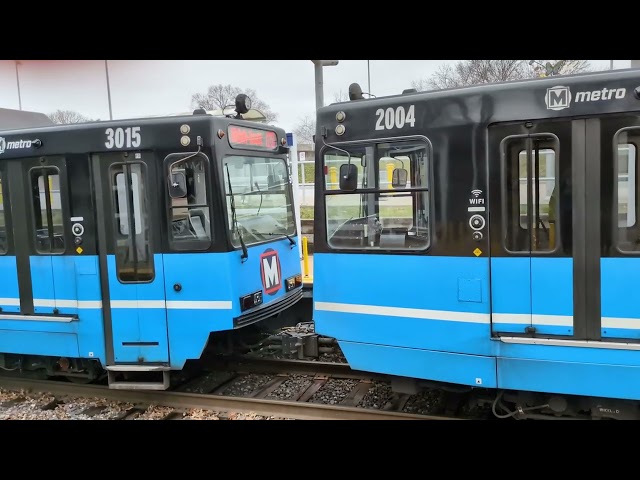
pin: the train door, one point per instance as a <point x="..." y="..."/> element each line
<point x="41" y="230"/>
<point x="617" y="313"/>
<point x="538" y="269"/>
<point x="577" y="276"/>
<point x="127" y="200"/>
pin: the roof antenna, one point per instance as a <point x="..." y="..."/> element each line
<point x="355" y="92"/>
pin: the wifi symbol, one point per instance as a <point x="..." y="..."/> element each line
<point x="476" y="193"/>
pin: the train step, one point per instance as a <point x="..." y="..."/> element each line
<point x="138" y="377"/>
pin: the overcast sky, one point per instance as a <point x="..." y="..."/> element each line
<point x="156" y="87"/>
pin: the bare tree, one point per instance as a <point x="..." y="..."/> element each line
<point x="221" y="96"/>
<point x="305" y="130"/>
<point x="420" y="85"/>
<point x="67" y="116"/>
<point x="474" y="72"/>
<point x="559" y="67"/>
<point x="340" y="96"/>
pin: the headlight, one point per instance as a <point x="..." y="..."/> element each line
<point x="251" y="300"/>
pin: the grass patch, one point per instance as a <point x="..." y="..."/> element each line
<point x="346" y="212"/>
<point x="306" y="213"/>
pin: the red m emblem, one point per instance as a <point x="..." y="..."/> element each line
<point x="270" y="271"/>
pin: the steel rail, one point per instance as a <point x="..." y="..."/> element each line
<point x="181" y="400"/>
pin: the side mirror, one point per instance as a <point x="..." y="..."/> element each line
<point x="348" y="177"/>
<point x="399" y="178"/>
<point x="177" y="185"/>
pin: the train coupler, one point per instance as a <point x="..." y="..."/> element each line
<point x="304" y="345"/>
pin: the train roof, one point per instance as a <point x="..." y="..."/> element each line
<point x="157" y="133"/>
<point x="136" y="121"/>
<point x="591" y="93"/>
<point x="11" y="119"/>
<point x="520" y="85"/>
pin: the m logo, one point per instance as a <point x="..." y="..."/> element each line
<point x="270" y="271"/>
<point x="558" y="98"/>
<point x="3" y="145"/>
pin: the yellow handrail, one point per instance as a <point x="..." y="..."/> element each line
<point x="305" y="257"/>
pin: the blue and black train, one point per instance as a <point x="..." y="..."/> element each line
<point x="487" y="238"/>
<point x="125" y="245"/>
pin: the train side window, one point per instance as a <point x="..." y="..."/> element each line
<point x="47" y="210"/>
<point x="628" y="231"/>
<point x="134" y="257"/>
<point x="189" y="217"/>
<point x="381" y="213"/>
<point x="3" y="227"/>
<point x="532" y="194"/>
<point x="626" y="185"/>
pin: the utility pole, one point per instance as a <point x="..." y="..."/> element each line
<point x="18" y="83"/>
<point x="106" y="69"/>
<point x="319" y="79"/>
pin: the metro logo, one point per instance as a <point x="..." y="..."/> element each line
<point x="270" y="271"/>
<point x="559" y="97"/>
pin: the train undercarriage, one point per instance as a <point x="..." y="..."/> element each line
<point x="520" y="405"/>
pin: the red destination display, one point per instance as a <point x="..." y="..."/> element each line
<point x="252" y="138"/>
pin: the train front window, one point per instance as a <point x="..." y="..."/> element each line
<point x="259" y="199"/>
<point x="3" y="227"/>
<point x="389" y="207"/>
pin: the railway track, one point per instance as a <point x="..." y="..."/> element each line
<point x="281" y="388"/>
<point x="181" y="401"/>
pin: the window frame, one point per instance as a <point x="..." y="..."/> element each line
<point x="113" y="170"/>
<point x="614" y="223"/>
<point x="182" y="245"/>
<point x="51" y="233"/>
<point x="428" y="189"/>
<point x="505" y="199"/>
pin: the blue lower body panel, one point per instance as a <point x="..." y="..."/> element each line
<point x="141" y="335"/>
<point x="9" y="296"/>
<point x="54" y="344"/>
<point x="425" y="364"/>
<point x="535" y="292"/>
<point x="138" y="317"/>
<point x="189" y="332"/>
<point x="620" y="307"/>
<point x="406" y="332"/>
<point x="591" y="379"/>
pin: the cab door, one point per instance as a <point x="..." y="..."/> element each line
<point x="127" y="203"/>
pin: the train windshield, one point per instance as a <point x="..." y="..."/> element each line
<point x="386" y="203"/>
<point x="260" y="194"/>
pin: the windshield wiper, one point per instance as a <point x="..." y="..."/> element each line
<point x="234" y="219"/>
<point x="291" y="240"/>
